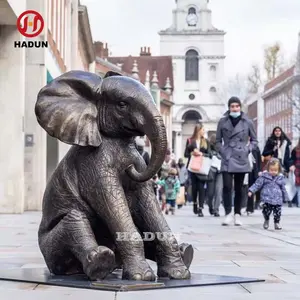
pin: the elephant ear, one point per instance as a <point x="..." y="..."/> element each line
<point x="67" y="108"/>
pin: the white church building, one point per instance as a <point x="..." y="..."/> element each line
<point x="197" y="50"/>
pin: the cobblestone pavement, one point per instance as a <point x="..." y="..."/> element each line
<point x="247" y="251"/>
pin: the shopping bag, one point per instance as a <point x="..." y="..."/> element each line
<point x="200" y="165"/>
<point x="290" y="186"/>
<point x="216" y="163"/>
<point x="180" y="200"/>
<point x="195" y="163"/>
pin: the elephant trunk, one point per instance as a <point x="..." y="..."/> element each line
<point x="156" y="132"/>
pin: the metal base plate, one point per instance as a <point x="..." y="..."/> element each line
<point x="114" y="281"/>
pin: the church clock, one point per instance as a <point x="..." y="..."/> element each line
<point x="192" y="18"/>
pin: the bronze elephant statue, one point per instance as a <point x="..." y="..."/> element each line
<point x="101" y="188"/>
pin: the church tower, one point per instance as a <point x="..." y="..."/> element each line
<point x="197" y="50"/>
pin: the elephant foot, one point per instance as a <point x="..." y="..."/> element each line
<point x="187" y="253"/>
<point x="175" y="264"/>
<point x="173" y="272"/>
<point x="99" y="263"/>
<point x="138" y="270"/>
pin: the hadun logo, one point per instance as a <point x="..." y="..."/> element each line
<point x="30" y="24"/>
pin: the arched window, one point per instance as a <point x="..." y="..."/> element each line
<point x="191" y="66"/>
<point x="213" y="89"/>
<point x="192" y="11"/>
<point x="213" y="72"/>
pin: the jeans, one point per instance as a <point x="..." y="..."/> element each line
<point x="198" y="191"/>
<point x="227" y="191"/>
<point x="215" y="191"/>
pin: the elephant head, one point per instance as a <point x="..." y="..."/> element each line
<point x="78" y="108"/>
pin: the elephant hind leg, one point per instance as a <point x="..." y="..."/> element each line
<point x="71" y="247"/>
<point x="186" y="251"/>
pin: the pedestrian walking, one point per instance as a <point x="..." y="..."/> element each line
<point x="171" y="186"/>
<point x="255" y="164"/>
<point x="295" y="167"/>
<point x="183" y="178"/>
<point x="198" y="145"/>
<point x="272" y="186"/>
<point x="278" y="146"/>
<point x="215" y="186"/>
<point x="140" y="145"/>
<point x="235" y="139"/>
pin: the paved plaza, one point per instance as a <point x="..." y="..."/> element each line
<point x="247" y="251"/>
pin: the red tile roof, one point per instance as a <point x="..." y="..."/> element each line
<point x="280" y="78"/>
<point x="161" y="64"/>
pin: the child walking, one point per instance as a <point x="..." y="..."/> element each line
<point x="272" y="186"/>
<point x="171" y="186"/>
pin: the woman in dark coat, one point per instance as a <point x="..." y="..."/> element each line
<point x="256" y="170"/>
<point x="197" y="145"/>
<point x="278" y="146"/>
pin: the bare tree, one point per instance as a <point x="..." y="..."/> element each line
<point x="237" y="86"/>
<point x="292" y="92"/>
<point x="254" y="79"/>
<point x="273" y="61"/>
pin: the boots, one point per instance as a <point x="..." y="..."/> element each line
<point x="266" y="224"/>
<point x="277" y="226"/>
<point x="195" y="208"/>
<point x="200" y="213"/>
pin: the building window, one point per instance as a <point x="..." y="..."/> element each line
<point x="192" y="11"/>
<point x="213" y="72"/>
<point x="192" y="96"/>
<point x="191" y="66"/>
<point x="213" y="89"/>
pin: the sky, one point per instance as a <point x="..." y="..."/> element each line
<point x="250" y="26"/>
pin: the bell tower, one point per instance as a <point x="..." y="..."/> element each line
<point x="192" y="15"/>
<point x="197" y="50"/>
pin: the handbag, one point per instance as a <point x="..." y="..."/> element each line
<point x="208" y="178"/>
<point x="290" y="186"/>
<point x="200" y="164"/>
<point x="216" y="163"/>
<point x="180" y="200"/>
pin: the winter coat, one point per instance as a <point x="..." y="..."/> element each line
<point x="233" y="143"/>
<point x="176" y="186"/>
<point x="295" y="161"/>
<point x="269" y="151"/>
<point x="182" y="174"/>
<point x="273" y="189"/>
<point x="257" y="163"/>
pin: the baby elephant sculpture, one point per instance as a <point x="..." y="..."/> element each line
<point x="100" y="191"/>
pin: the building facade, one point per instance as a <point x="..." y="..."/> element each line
<point x="197" y="50"/>
<point x="30" y="156"/>
<point x="282" y="102"/>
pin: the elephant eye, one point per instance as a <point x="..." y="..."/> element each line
<point x="122" y="104"/>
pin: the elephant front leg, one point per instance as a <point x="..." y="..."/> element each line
<point x="114" y="210"/>
<point x="168" y="253"/>
<point x="71" y="243"/>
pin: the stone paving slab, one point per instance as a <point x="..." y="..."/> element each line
<point x="247" y="251"/>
